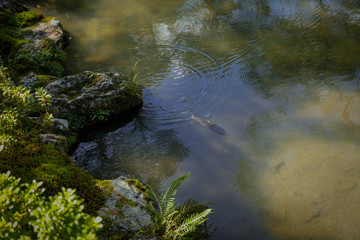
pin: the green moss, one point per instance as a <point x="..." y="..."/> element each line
<point x="105" y="186"/>
<point x="122" y="201"/>
<point x="54" y="168"/>
<point x="44" y="62"/>
<point x="72" y="139"/>
<point x="43" y="81"/>
<point x="139" y="186"/>
<point x="48" y="19"/>
<point x="27" y="18"/>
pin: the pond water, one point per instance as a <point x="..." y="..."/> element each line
<point x="279" y="78"/>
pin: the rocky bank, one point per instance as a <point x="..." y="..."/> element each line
<point x="32" y="48"/>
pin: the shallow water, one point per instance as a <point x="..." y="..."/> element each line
<point x="280" y="79"/>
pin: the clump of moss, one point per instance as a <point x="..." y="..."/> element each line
<point x="44" y="61"/>
<point x="139" y="186"/>
<point x="26" y="18"/>
<point x="55" y="169"/>
<point x="122" y="201"/>
<point x="43" y="81"/>
<point x="105" y="186"/>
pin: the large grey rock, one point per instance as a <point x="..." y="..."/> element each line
<point x="87" y="94"/>
<point x="125" y="208"/>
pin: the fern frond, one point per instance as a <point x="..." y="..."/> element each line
<point x="154" y="197"/>
<point x="190" y="225"/>
<point x="167" y="202"/>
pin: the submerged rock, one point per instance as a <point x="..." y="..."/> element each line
<point x="90" y="97"/>
<point x="125" y="208"/>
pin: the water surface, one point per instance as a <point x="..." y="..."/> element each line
<point x="280" y="78"/>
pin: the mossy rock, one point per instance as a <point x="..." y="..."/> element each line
<point x="139" y="186"/>
<point x="26" y="18"/>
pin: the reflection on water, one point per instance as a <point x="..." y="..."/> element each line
<point x="305" y="169"/>
<point x="280" y="78"/>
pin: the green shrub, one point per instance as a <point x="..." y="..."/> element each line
<point x="23" y="155"/>
<point x="26" y="214"/>
<point x="26" y="18"/>
<point x="17" y="105"/>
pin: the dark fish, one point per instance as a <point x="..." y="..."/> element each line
<point x="207" y="123"/>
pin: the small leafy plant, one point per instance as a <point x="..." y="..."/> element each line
<point x="99" y="115"/>
<point x="26" y="214"/>
<point x="177" y="222"/>
<point x="16" y="104"/>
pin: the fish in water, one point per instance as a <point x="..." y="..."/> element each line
<point x="207" y="123"/>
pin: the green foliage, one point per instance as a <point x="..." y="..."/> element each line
<point x="32" y="160"/>
<point x="177" y="222"/>
<point x="99" y="115"/>
<point x="23" y="155"/>
<point x="15" y="107"/>
<point x="26" y="214"/>
<point x="45" y="61"/>
<point x="132" y="87"/>
<point x="26" y="18"/>
<point x="133" y="75"/>
<point x="43" y="81"/>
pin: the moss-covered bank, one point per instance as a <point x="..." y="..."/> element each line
<point x="31" y="48"/>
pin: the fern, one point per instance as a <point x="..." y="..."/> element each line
<point x="177" y="222"/>
<point x="189" y="225"/>
<point x="168" y="198"/>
